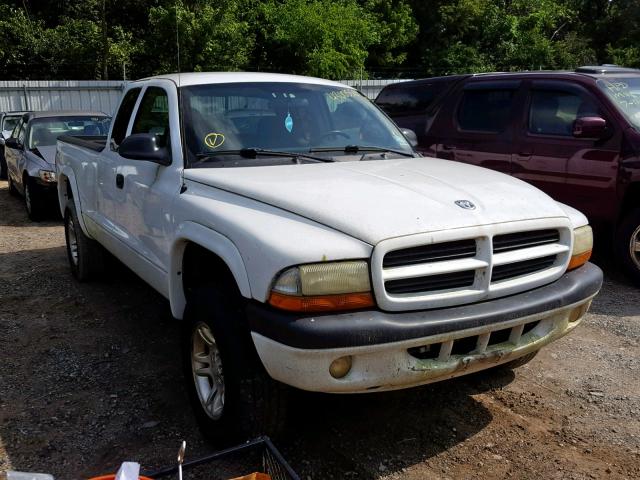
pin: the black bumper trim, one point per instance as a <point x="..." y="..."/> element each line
<point x="371" y="327"/>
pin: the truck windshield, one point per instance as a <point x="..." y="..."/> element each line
<point x="284" y="117"/>
<point x="45" y="131"/>
<point x="624" y="92"/>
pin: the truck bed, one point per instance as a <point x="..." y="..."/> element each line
<point x="92" y="142"/>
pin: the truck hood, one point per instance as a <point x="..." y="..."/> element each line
<point x="377" y="200"/>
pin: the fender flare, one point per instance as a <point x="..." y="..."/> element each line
<point x="66" y="176"/>
<point x="191" y="232"/>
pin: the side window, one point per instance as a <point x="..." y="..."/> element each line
<point x="16" y="129"/>
<point x="122" y="117"/>
<point x="485" y="110"/>
<point x="153" y="114"/>
<point x="409" y="99"/>
<point x="21" y="132"/>
<point x="553" y="112"/>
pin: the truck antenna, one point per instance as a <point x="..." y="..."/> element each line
<point x="178" y="40"/>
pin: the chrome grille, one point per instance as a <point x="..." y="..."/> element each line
<point x="430" y="253"/>
<point x="432" y="271"/>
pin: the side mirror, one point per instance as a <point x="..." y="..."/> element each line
<point x="411" y="136"/>
<point x="590" y="127"/>
<point x="12" y="142"/>
<point x="144" y="146"/>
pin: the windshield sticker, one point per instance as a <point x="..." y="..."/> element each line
<point x="621" y="93"/>
<point x="288" y="123"/>
<point x="214" y="140"/>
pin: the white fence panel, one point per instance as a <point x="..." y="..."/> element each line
<point x="371" y="88"/>
<point x="45" y="95"/>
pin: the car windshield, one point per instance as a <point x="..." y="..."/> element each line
<point x="8" y="123"/>
<point x="45" y="131"/>
<point x="220" y="119"/>
<point x="625" y="94"/>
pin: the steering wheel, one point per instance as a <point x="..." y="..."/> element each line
<point x="334" y="133"/>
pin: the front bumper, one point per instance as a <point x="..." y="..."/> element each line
<point x="398" y="350"/>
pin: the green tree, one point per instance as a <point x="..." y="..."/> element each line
<point x="325" y="38"/>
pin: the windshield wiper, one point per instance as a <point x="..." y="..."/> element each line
<point x="360" y="149"/>
<point x="251" y="153"/>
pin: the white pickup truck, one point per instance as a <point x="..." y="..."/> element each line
<point x="300" y="238"/>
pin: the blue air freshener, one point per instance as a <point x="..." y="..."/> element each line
<point x="288" y="123"/>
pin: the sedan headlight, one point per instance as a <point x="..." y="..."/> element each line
<point x="324" y="286"/>
<point x="582" y="247"/>
<point x="47" y="176"/>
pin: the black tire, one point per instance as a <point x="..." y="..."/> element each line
<point x="518" y="362"/>
<point x="253" y="403"/>
<point x="33" y="201"/>
<point x="13" y="191"/>
<point x="628" y="232"/>
<point x="86" y="256"/>
<point x="3" y="166"/>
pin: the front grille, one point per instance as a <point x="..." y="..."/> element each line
<point x="430" y="253"/>
<point x="518" y="240"/>
<point x="431" y="283"/>
<point x="492" y="263"/>
<point x="511" y="270"/>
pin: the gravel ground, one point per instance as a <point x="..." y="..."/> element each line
<point x="90" y="376"/>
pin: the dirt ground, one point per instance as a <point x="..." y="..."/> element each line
<point x="90" y="376"/>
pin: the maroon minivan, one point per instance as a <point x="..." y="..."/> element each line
<point x="575" y="135"/>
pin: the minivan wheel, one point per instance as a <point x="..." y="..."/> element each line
<point x="233" y="397"/>
<point x="86" y="256"/>
<point x="628" y="245"/>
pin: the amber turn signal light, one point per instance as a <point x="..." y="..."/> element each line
<point x="321" y="303"/>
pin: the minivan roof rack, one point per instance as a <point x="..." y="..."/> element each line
<point x="605" y="68"/>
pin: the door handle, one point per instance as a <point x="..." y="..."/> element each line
<point x="448" y="148"/>
<point x="525" y="153"/>
<point x="119" y="180"/>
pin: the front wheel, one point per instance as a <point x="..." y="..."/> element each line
<point x="33" y="200"/>
<point x="232" y="395"/>
<point x="627" y="245"/>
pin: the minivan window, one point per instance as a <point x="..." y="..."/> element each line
<point x="485" y="110"/>
<point x="625" y="95"/>
<point x="121" y="121"/>
<point x="554" y="112"/>
<point x="413" y="98"/>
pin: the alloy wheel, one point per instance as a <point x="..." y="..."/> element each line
<point x="634" y="247"/>
<point x="206" y="365"/>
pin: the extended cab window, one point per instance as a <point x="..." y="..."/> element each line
<point x="153" y="114"/>
<point x="485" y="110"/>
<point x="123" y="116"/>
<point x="554" y="112"/>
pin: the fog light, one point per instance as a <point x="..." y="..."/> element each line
<point x="578" y="312"/>
<point x="340" y="367"/>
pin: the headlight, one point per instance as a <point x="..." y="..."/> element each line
<point x="323" y="286"/>
<point x="47" y="176"/>
<point x="582" y="246"/>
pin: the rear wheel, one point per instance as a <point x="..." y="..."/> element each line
<point x="628" y="245"/>
<point x="86" y="256"/>
<point x="232" y="395"/>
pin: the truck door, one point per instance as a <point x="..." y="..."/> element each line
<point x="110" y="198"/>
<point x="480" y="126"/>
<point x="578" y="172"/>
<point x="149" y="188"/>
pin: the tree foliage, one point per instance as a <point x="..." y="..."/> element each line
<point x="93" y="39"/>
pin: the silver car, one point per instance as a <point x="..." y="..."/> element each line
<point x="31" y="149"/>
<point x="8" y="121"/>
